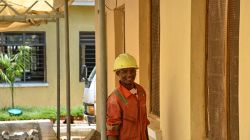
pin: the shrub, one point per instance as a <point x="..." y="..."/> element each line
<point x="34" y="113"/>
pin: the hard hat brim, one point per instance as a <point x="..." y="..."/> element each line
<point x="125" y="68"/>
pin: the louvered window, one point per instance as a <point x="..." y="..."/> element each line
<point x="9" y="43"/>
<point x="87" y="51"/>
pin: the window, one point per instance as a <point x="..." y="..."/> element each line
<point x="155" y="58"/>
<point x="222" y="73"/>
<point x="9" y="43"/>
<point x="87" y="52"/>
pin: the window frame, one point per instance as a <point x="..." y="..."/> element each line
<point x="34" y="45"/>
<point x="88" y="41"/>
<point x="155" y="58"/>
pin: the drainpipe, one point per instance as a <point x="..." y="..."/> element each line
<point x="102" y="90"/>
<point x="58" y="75"/>
<point x="66" y="19"/>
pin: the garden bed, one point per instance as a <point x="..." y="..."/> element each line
<point x="36" y="113"/>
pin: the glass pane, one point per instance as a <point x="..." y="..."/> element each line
<point x="34" y="38"/>
<point x="12" y="38"/>
<point x="10" y="43"/>
<point x="1" y="49"/>
<point x="87" y="51"/>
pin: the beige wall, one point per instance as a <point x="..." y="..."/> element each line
<point x="198" y="20"/>
<point x="175" y="92"/>
<point x="137" y="39"/>
<point x="175" y="55"/>
<point x="80" y="19"/>
<point x="110" y="49"/>
<point x="131" y="37"/>
<point x="244" y="69"/>
<point x="182" y="63"/>
<point x="144" y="47"/>
<point x="132" y="30"/>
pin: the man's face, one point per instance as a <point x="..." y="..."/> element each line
<point x="127" y="75"/>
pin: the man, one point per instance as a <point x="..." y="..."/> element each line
<point x="126" y="106"/>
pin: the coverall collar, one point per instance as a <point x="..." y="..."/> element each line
<point x="126" y="93"/>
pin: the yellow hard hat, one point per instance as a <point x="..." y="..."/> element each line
<point x="125" y="60"/>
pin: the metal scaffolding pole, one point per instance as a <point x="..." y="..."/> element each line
<point x="25" y="18"/>
<point x="67" y="62"/>
<point x="58" y="76"/>
<point x="103" y="68"/>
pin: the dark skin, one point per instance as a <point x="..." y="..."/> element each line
<point x="126" y="78"/>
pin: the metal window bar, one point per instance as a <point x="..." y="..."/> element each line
<point x="87" y="53"/>
<point x="10" y="41"/>
<point x="155" y="58"/>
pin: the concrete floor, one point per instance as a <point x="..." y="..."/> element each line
<point x="48" y="130"/>
<point x="44" y="127"/>
<point x="79" y="130"/>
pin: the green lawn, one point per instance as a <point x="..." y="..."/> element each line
<point x="33" y="113"/>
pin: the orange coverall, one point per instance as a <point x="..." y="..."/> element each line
<point x="127" y="114"/>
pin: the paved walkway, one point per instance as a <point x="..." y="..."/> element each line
<point x="24" y="126"/>
<point x="79" y="130"/>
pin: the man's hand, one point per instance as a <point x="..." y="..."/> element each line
<point x="113" y="138"/>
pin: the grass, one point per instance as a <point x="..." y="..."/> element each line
<point x="34" y="113"/>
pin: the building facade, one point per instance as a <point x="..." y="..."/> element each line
<point x="41" y="89"/>
<point x="193" y="63"/>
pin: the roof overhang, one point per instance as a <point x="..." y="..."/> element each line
<point x="84" y="2"/>
<point x="22" y="13"/>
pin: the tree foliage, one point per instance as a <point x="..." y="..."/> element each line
<point x="13" y="66"/>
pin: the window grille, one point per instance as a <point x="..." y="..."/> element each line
<point x="9" y="43"/>
<point x="222" y="61"/>
<point x="155" y="58"/>
<point x="87" y="51"/>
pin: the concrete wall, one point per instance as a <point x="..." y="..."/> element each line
<point x="244" y="68"/>
<point x="175" y="62"/>
<point x="182" y="63"/>
<point x="110" y="49"/>
<point x="80" y="19"/>
<point x="197" y="100"/>
<point x="145" y="47"/>
<point x="131" y="37"/>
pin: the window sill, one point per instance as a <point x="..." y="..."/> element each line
<point x="154" y="131"/>
<point x="4" y="85"/>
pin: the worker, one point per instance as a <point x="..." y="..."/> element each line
<point x="126" y="106"/>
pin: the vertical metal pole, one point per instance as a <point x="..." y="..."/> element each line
<point x="103" y="68"/>
<point x="66" y="19"/>
<point x="58" y="76"/>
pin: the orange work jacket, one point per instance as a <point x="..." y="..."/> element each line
<point x="127" y="114"/>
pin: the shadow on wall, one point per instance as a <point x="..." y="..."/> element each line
<point x="172" y="112"/>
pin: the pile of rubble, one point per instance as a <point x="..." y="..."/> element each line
<point x="32" y="134"/>
<point x="27" y="130"/>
